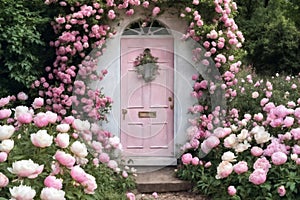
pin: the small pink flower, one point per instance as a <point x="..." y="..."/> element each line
<point x="53" y="182"/>
<point x="258" y="177"/>
<point x="231" y="190"/>
<point x="155" y="195"/>
<point x="281" y="190"/>
<point x="130" y="196"/>
<point x="279" y="158"/>
<point x="186" y="158"/>
<point x="124" y="174"/>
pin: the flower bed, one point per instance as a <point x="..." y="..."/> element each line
<point x="43" y="158"/>
<point x="254" y="154"/>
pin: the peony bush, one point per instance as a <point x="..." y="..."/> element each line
<point x="254" y="153"/>
<point x="44" y="158"/>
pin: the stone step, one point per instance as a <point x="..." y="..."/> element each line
<point x="160" y="180"/>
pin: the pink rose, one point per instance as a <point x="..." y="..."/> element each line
<point x="257" y="151"/>
<point x="279" y="158"/>
<point x="186" y="158"/>
<point x="240" y="167"/>
<point x="231" y="190"/>
<point x="130" y="196"/>
<point x="38" y="103"/>
<point x="5" y="113"/>
<point x="259" y="176"/>
<point x="155" y="11"/>
<point x="3" y="180"/>
<point x="281" y="190"/>
<point x="65" y="159"/>
<point x="53" y="182"/>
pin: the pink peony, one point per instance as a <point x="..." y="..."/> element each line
<point x="22" y="96"/>
<point x="104" y="158"/>
<point x="112" y="164"/>
<point x="25" y="118"/>
<point x="288" y="121"/>
<point x="78" y="174"/>
<point x="210" y="143"/>
<point x="155" y="195"/>
<point x="41" y="120"/>
<point x="240" y="167"/>
<point x="195" y="161"/>
<point x="49" y="193"/>
<point x="186" y="158"/>
<point x="257" y="151"/>
<point x="259" y="176"/>
<point x="63" y="128"/>
<point x="281" y="190"/>
<point x="279" y="158"/>
<point x="62" y="140"/>
<point x="296" y="133"/>
<point x="53" y="182"/>
<point x="5" y="113"/>
<point x="224" y="169"/>
<point x="3" y="156"/>
<point x="231" y="190"/>
<point x="38" y="103"/>
<point x="41" y="139"/>
<point x="262" y="163"/>
<point x="3" y="180"/>
<point x="65" y="159"/>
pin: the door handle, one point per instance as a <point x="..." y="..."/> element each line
<point x="170" y="99"/>
<point x="124" y="112"/>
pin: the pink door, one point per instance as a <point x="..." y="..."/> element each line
<point x="147" y="113"/>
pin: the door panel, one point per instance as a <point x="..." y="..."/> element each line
<point x="147" y="113"/>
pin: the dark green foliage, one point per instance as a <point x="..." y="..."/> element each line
<point x="272" y="35"/>
<point x="23" y="50"/>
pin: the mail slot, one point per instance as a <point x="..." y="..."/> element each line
<point x="145" y="114"/>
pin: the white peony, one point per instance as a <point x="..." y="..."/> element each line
<point x="52" y="194"/>
<point x="22" y="192"/>
<point x="260" y="135"/>
<point x="6" y="131"/>
<point x="63" y="128"/>
<point x="41" y="139"/>
<point x="228" y="156"/>
<point x="7" y="145"/>
<point x="80" y="125"/>
<point x="79" y="149"/>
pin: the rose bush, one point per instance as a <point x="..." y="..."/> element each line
<point x="257" y="156"/>
<point x="44" y="158"/>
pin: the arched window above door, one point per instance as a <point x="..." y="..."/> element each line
<point x="143" y="28"/>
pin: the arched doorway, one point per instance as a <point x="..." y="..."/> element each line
<point x="147" y="105"/>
